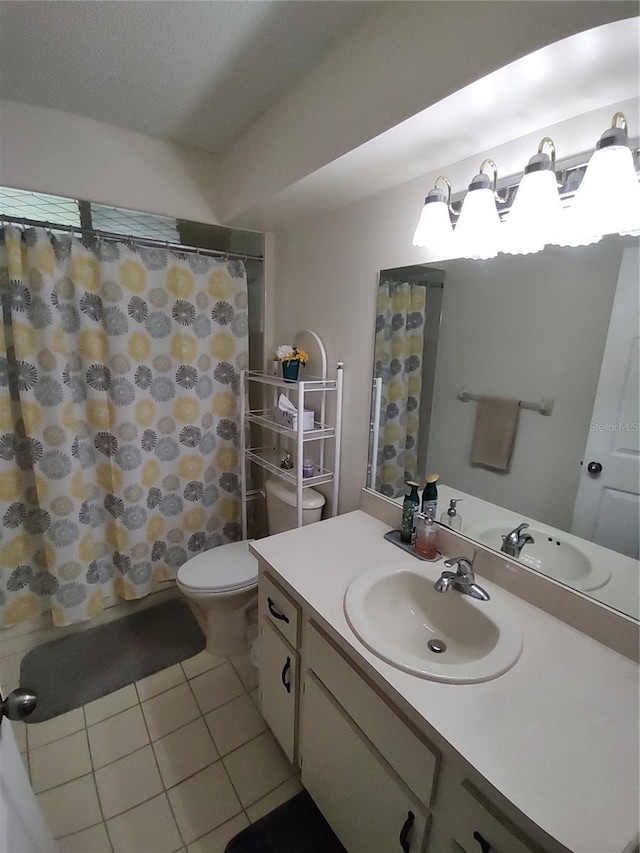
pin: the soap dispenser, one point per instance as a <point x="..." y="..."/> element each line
<point x="451" y="517"/>
<point x="426" y="537"/>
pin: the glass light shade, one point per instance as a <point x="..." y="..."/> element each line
<point x="608" y="199"/>
<point x="573" y="231"/>
<point x="536" y="214"/>
<point x="434" y="230"/>
<point x="478" y="234"/>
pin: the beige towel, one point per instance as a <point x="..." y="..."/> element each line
<point x="495" y="433"/>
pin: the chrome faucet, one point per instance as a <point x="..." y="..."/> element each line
<point x="463" y="579"/>
<point x="514" y="542"/>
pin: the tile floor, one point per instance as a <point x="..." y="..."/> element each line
<point x="180" y="761"/>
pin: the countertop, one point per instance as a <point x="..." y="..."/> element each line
<point x="557" y="734"/>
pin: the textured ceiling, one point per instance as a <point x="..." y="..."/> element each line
<point x="198" y="73"/>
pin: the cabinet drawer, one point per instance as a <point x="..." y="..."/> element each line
<point x="279" y="667"/>
<point x="411" y="758"/>
<point x="365" y="803"/>
<point x="279" y="608"/>
<point x="481" y="828"/>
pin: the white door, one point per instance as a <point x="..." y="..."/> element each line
<point x="22" y="826"/>
<point x="607" y="504"/>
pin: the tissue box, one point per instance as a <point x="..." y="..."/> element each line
<point x="290" y="419"/>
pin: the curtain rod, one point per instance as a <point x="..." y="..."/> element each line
<point x="126" y="238"/>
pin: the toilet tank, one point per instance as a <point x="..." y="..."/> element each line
<point x="281" y="506"/>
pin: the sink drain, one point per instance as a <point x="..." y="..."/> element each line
<point x="437" y="646"/>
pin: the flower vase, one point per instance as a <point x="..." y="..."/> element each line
<point x="290" y="370"/>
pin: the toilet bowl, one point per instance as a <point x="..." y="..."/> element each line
<point x="224" y="581"/>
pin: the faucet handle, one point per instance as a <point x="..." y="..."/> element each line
<point x="463" y="565"/>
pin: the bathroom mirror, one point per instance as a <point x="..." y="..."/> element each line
<point x="531" y="328"/>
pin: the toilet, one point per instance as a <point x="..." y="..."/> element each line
<point x="224" y="581"/>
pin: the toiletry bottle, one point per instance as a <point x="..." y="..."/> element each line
<point x="426" y="533"/>
<point x="430" y="496"/>
<point x="451" y="516"/>
<point x="409" y="509"/>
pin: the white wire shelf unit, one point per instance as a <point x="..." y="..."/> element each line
<point x="269" y="457"/>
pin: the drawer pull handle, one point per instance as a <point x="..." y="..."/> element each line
<point x="484" y="844"/>
<point x="284" y="673"/>
<point x="404" y="832"/>
<point x="275" y="613"/>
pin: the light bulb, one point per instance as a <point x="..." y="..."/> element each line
<point x="478" y="234"/>
<point x="536" y="214"/>
<point x="608" y="199"/>
<point x="434" y="230"/>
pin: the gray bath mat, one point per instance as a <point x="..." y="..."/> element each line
<point x="76" y="669"/>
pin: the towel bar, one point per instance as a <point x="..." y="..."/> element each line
<point x="544" y="407"/>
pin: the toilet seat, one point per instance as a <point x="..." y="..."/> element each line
<point x="225" y="569"/>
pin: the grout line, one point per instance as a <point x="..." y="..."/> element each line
<point x="95" y="783"/>
<point x="155" y="758"/>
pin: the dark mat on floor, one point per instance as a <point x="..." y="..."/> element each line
<point x="76" y="669"/>
<point x="295" y="827"/>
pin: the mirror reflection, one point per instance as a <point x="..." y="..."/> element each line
<point x="516" y="380"/>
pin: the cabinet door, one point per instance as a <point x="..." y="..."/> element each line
<point x="481" y="828"/>
<point x="359" y="794"/>
<point x="279" y="665"/>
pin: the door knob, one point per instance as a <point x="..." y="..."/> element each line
<point x="594" y="468"/>
<point x="18" y="704"/>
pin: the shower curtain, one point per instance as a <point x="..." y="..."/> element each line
<point x="118" y="418"/>
<point x="398" y="361"/>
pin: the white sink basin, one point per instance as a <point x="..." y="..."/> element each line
<point x="549" y="554"/>
<point x="396" y="612"/>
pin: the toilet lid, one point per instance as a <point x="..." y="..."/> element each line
<point x="222" y="569"/>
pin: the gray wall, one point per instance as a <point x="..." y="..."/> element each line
<point x="526" y="327"/>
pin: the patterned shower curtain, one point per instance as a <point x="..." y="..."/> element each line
<point x="398" y="360"/>
<point x="118" y="418"/>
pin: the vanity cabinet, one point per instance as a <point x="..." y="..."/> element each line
<point x="480" y="829"/>
<point x="368" y="806"/>
<point x="380" y="781"/>
<point x="279" y="663"/>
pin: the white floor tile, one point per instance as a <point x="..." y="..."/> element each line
<point x="255" y="697"/>
<point x="216" y="841"/>
<point x="183" y="752"/>
<point x="25" y="760"/>
<point x="71" y="807"/>
<point x="149" y="827"/>
<point x="203" y="802"/>
<point x="128" y="782"/>
<point x="117" y="736"/>
<point x="159" y="682"/>
<point x="10" y="667"/>
<point x="200" y="663"/>
<point x="257" y="768"/>
<point x="170" y="711"/>
<point x="93" y="840"/>
<point x="19" y="730"/>
<point x="235" y="723"/>
<point x="246" y="670"/>
<point x="61" y="761"/>
<point x="110" y="705"/>
<point x="216" y="687"/>
<point x="50" y="730"/>
<point x="24" y="642"/>
<point x="276" y="798"/>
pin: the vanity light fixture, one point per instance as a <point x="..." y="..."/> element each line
<point x="608" y="199"/>
<point x="434" y="230"/>
<point x="536" y="216"/>
<point x="478" y="234"/>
